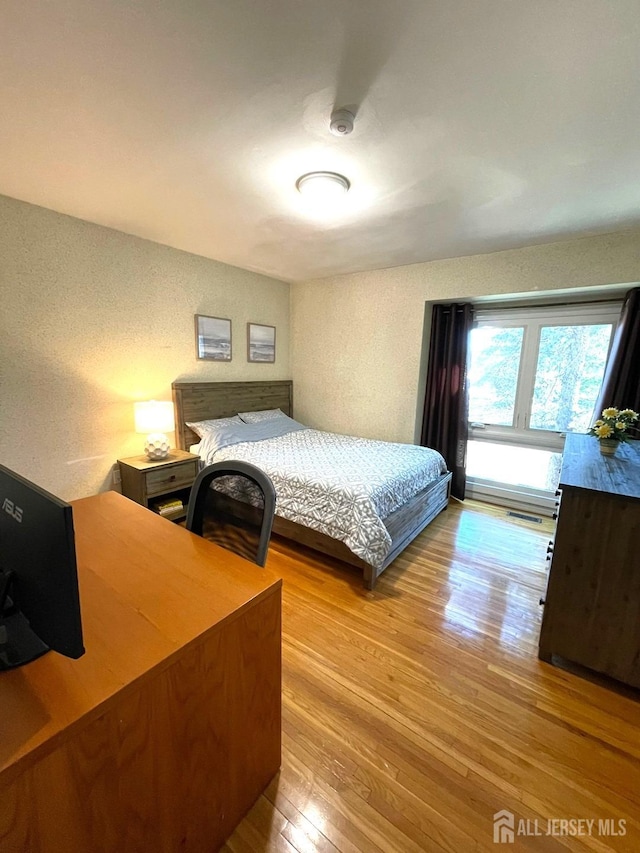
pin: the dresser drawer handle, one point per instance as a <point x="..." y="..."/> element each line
<point x="172" y="478"/>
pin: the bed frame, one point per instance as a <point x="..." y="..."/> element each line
<point x="198" y="401"/>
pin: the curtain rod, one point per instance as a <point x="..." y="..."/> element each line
<point x="521" y="303"/>
<point x="531" y="303"/>
<point x="516" y="303"/>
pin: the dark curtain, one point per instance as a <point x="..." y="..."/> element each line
<point x="621" y="383"/>
<point x="445" y="424"/>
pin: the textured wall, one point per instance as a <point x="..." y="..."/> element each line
<point x="93" y="319"/>
<point x="357" y="339"/>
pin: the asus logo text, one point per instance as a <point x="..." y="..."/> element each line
<point x="11" y="509"/>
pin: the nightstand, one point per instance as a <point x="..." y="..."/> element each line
<point x="156" y="484"/>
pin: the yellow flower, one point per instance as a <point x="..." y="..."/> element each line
<point x="621" y="426"/>
<point x="629" y="413"/>
<point x="610" y="413"/>
<point x="598" y="423"/>
<point x="604" y="431"/>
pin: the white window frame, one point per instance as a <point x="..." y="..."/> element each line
<point x="519" y="433"/>
<point x="533" y="319"/>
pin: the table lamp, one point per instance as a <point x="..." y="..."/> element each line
<point x="155" y="418"/>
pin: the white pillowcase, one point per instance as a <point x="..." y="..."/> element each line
<point x="204" y="428"/>
<point x="264" y="415"/>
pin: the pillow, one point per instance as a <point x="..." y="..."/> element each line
<point x="242" y="433"/>
<point x="203" y="428"/>
<point x="264" y="415"/>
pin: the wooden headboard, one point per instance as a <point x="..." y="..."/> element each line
<point x="200" y="401"/>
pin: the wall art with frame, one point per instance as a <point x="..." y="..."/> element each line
<point x="261" y="343"/>
<point x="213" y="338"/>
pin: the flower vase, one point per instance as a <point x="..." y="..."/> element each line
<point x="608" y="446"/>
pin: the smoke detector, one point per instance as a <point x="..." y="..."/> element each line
<point x="341" y="122"/>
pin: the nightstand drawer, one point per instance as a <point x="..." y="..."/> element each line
<point x="174" y="477"/>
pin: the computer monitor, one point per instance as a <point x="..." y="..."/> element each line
<point x="39" y="599"/>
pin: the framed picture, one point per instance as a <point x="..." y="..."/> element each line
<point x="213" y="338"/>
<point x="261" y="343"/>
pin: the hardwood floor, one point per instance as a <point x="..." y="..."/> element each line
<point x="413" y="713"/>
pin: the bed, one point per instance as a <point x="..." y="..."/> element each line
<point x="427" y="494"/>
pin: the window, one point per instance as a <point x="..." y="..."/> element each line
<point x="534" y="375"/>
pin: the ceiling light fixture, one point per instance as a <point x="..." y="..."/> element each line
<point x="322" y="186"/>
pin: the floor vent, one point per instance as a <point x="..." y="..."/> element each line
<point x="525" y="517"/>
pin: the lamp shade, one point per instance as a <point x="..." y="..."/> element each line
<point x="153" y="416"/>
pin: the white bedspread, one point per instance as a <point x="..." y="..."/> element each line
<point x="340" y="485"/>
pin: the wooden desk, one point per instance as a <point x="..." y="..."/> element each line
<point x="164" y="733"/>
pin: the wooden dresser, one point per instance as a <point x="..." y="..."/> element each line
<point x="592" y="605"/>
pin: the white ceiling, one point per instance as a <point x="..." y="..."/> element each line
<point x="481" y="124"/>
